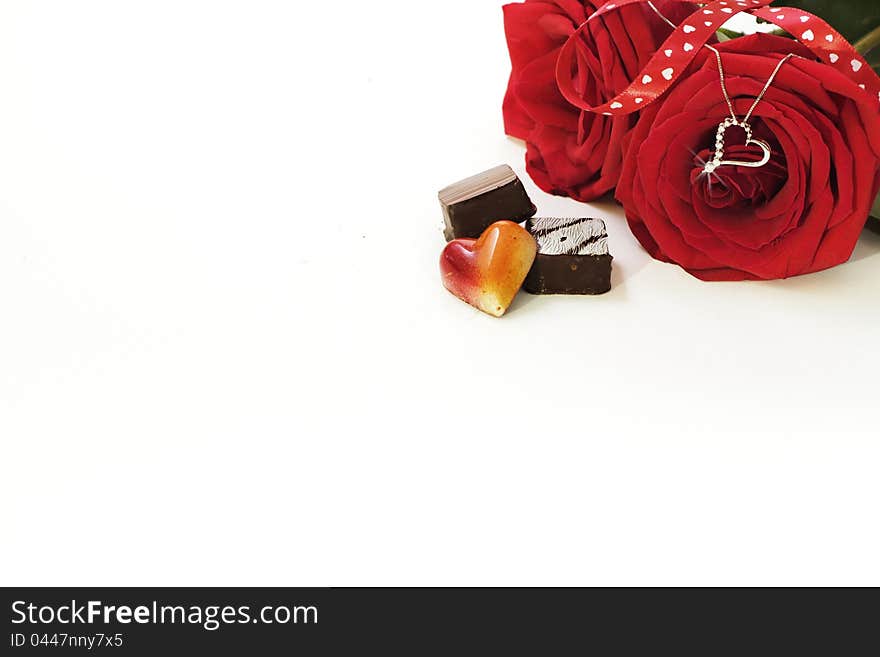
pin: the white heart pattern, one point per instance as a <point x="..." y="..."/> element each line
<point x="616" y="105"/>
<point x="667" y="73"/>
<point x="689" y="28"/>
<point x="808" y="35"/>
<point x="668" y="53"/>
<point x="727" y="10"/>
<point x="857" y="65"/>
<point x="833" y="57"/>
<point x="688" y="47"/>
<point x="829" y="38"/>
<point x="639" y="101"/>
<point x="804" y="19"/>
<point x="647" y="79"/>
<point x="708" y="23"/>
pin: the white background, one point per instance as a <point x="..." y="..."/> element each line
<point x="226" y="356"/>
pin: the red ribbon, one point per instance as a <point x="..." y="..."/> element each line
<point x="678" y="51"/>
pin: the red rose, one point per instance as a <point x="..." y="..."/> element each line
<point x="800" y="213"/>
<point x="571" y="152"/>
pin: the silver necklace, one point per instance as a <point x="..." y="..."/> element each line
<point x="718" y="159"/>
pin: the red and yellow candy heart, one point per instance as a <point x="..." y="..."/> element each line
<point x="488" y="272"/>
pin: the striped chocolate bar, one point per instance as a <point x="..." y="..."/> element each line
<point x="572" y="258"/>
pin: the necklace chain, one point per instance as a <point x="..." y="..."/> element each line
<point x="721" y="72"/>
<point x="761" y="95"/>
<point x="718" y="157"/>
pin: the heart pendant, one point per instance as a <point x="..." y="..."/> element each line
<point x="487" y="273"/>
<point x="718" y="159"/>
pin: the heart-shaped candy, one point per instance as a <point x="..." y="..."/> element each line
<point x="488" y="272"/>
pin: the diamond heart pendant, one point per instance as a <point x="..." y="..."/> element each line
<point x="718" y="160"/>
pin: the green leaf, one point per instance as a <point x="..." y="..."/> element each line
<point x="852" y="18"/>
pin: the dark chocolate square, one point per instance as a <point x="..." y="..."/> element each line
<point x="472" y="205"/>
<point x="572" y="258"/>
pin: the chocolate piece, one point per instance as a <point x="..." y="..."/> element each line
<point x="488" y="272"/>
<point x="472" y="205"/>
<point x="572" y="257"/>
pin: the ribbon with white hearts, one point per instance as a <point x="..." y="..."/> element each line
<point x="676" y="54"/>
<point x="826" y="43"/>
